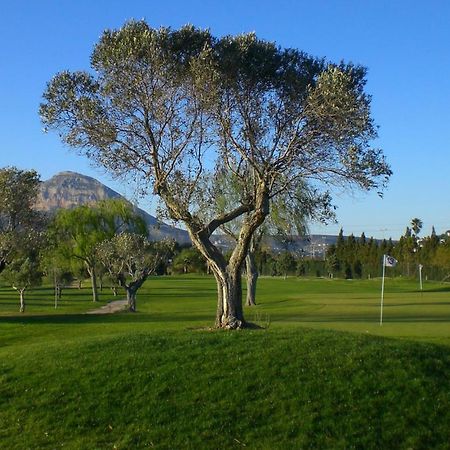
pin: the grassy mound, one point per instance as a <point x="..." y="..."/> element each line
<point x="198" y="389"/>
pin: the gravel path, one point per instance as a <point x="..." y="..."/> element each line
<point x="110" y="308"/>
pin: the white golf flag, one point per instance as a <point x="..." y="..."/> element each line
<point x="389" y="261"/>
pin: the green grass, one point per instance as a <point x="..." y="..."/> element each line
<point x="160" y="379"/>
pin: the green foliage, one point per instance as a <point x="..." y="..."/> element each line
<point x="18" y="192"/>
<point x="160" y="97"/>
<point x="23" y="269"/>
<point x="23" y="272"/>
<point x="18" y="219"/>
<point x="416" y="225"/>
<point x="81" y="229"/>
<point x="286" y="263"/>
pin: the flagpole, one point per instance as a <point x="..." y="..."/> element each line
<point x="382" y="291"/>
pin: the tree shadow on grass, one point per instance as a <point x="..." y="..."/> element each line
<point x="389" y="305"/>
<point x="436" y="289"/>
<point x="119" y="318"/>
<point x="362" y="318"/>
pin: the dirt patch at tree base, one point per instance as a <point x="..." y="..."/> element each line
<point x="110" y="308"/>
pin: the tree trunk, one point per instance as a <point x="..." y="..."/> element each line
<point x="93" y="276"/>
<point x="56" y="296"/>
<point x="131" y="299"/>
<point x="55" y="284"/>
<point x="22" y="300"/>
<point x="229" y="313"/>
<point x="252" y="278"/>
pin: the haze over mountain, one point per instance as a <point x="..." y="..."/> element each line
<point x="70" y="189"/>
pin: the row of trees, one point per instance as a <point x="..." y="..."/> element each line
<point x="361" y="257"/>
<point x="109" y="239"/>
<point x="106" y="238"/>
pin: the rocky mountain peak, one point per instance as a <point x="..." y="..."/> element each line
<point x="71" y="189"/>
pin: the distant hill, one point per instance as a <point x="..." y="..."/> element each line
<point x="71" y="189"/>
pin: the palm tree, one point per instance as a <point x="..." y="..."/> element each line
<point x="416" y="225"/>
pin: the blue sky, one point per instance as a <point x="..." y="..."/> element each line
<point x="404" y="44"/>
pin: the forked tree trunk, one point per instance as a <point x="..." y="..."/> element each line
<point x="131" y="290"/>
<point x="229" y="313"/>
<point x="252" y="278"/>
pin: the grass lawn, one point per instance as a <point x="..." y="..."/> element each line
<point x="160" y="379"/>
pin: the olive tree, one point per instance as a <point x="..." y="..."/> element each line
<point x="23" y="270"/>
<point x="130" y="259"/>
<point x="176" y="108"/>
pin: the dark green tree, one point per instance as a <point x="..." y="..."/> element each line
<point x="286" y="264"/>
<point x="189" y="260"/>
<point x="18" y="192"/>
<point x="416" y="226"/>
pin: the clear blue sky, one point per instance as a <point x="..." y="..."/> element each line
<point x="404" y="44"/>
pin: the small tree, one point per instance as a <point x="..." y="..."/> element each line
<point x="189" y="260"/>
<point x="58" y="270"/>
<point x="23" y="270"/>
<point x="130" y="259"/>
<point x="285" y="263"/>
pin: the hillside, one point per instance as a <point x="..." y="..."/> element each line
<point x="71" y="189"/>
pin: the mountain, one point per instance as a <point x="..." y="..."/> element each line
<point x="71" y="189"/>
